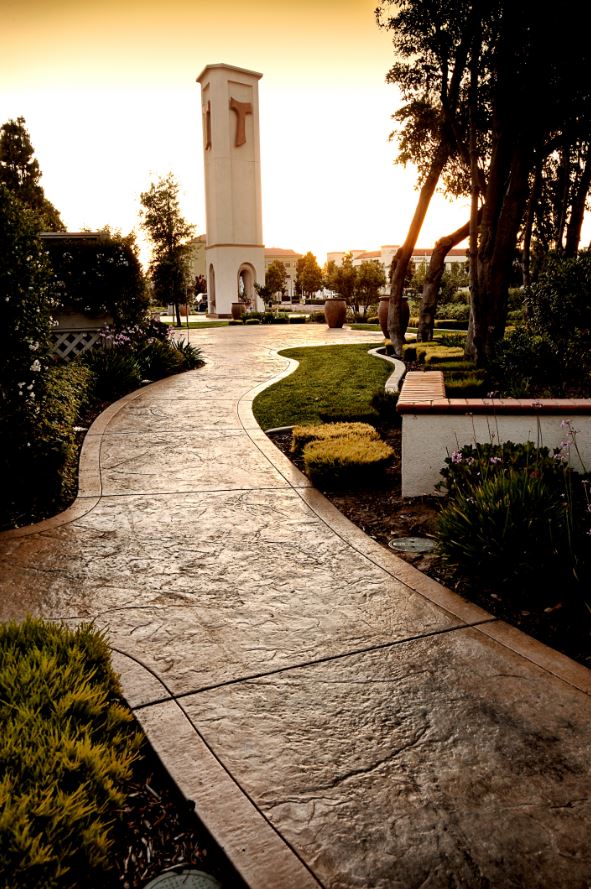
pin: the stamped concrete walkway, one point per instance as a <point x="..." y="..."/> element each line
<point x="339" y="719"/>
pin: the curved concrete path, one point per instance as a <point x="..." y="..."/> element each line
<point x="339" y="719"/>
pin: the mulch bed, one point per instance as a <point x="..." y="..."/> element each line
<point x="160" y="833"/>
<point x="384" y="515"/>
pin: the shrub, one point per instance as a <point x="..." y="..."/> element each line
<point x="252" y="316"/>
<point x="251" y="320"/>
<point x="506" y="525"/>
<point x="67" y="746"/>
<point x="523" y="359"/>
<point x="303" y="435"/>
<point x="409" y="352"/>
<point x="38" y="458"/>
<point x="191" y="355"/>
<point x="350" y="459"/>
<point x="451" y="324"/>
<point x="442" y="354"/>
<point x="234" y="322"/>
<point x="317" y="317"/>
<point x="385" y="405"/>
<point x="267" y="318"/>
<point x="280" y="319"/>
<point x="100" y="275"/>
<point x="157" y="359"/>
<point x="297" y="319"/>
<point x="465" y="385"/>
<point x="541" y="504"/>
<point x="26" y="302"/>
<point x="115" y="373"/>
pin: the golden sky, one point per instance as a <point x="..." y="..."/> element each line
<point x="110" y="100"/>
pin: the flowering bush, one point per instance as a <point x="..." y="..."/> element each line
<point x="26" y="301"/>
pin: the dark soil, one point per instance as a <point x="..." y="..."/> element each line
<point x="548" y="615"/>
<point x="160" y="832"/>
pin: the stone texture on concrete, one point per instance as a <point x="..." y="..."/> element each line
<point x="339" y="719"/>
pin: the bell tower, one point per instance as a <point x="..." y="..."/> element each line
<point x="234" y="251"/>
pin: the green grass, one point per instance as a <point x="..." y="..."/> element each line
<point x="336" y="381"/>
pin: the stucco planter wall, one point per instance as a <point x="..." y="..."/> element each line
<point x="434" y="426"/>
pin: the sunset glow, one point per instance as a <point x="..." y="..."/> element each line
<point x="110" y="100"/>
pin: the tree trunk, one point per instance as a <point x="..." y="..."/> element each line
<point x="495" y="259"/>
<point x="562" y="191"/>
<point x="575" y="222"/>
<point x="529" y="223"/>
<point x="404" y="253"/>
<point x="433" y="280"/>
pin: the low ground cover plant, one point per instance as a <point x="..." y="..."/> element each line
<point x="67" y="745"/>
<point x="346" y="460"/>
<point x="303" y="435"/>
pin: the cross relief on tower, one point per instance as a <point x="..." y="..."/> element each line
<point x="241" y="109"/>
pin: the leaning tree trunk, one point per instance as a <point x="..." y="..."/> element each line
<point x="404" y="253"/>
<point x="575" y="222"/>
<point x="433" y="280"/>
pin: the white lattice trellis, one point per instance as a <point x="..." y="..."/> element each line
<point x="69" y="344"/>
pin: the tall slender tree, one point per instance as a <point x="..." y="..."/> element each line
<point x="169" y="233"/>
<point x="431" y="42"/>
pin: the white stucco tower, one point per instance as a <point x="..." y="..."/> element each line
<point x="234" y="252"/>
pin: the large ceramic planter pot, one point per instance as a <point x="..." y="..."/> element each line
<point x="238" y="310"/>
<point x="335" y="312"/>
<point x="383" y="315"/>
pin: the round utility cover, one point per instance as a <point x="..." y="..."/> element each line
<point x="412" y="544"/>
<point x="184" y="879"/>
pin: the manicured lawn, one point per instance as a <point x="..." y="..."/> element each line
<point x="330" y="380"/>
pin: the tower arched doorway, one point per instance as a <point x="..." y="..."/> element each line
<point x="211" y="289"/>
<point x="246" y="282"/>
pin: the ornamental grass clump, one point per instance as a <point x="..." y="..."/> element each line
<point x="519" y="513"/>
<point x="67" y="745"/>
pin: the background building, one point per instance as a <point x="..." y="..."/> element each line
<point x="421" y="257"/>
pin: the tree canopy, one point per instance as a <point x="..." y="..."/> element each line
<point x="491" y="91"/>
<point x="99" y="274"/>
<point x="276" y="277"/>
<point x="21" y="174"/>
<point x="309" y="276"/>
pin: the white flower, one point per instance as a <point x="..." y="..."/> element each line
<point x="36" y="366"/>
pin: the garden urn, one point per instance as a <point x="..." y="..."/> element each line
<point x="335" y="312"/>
